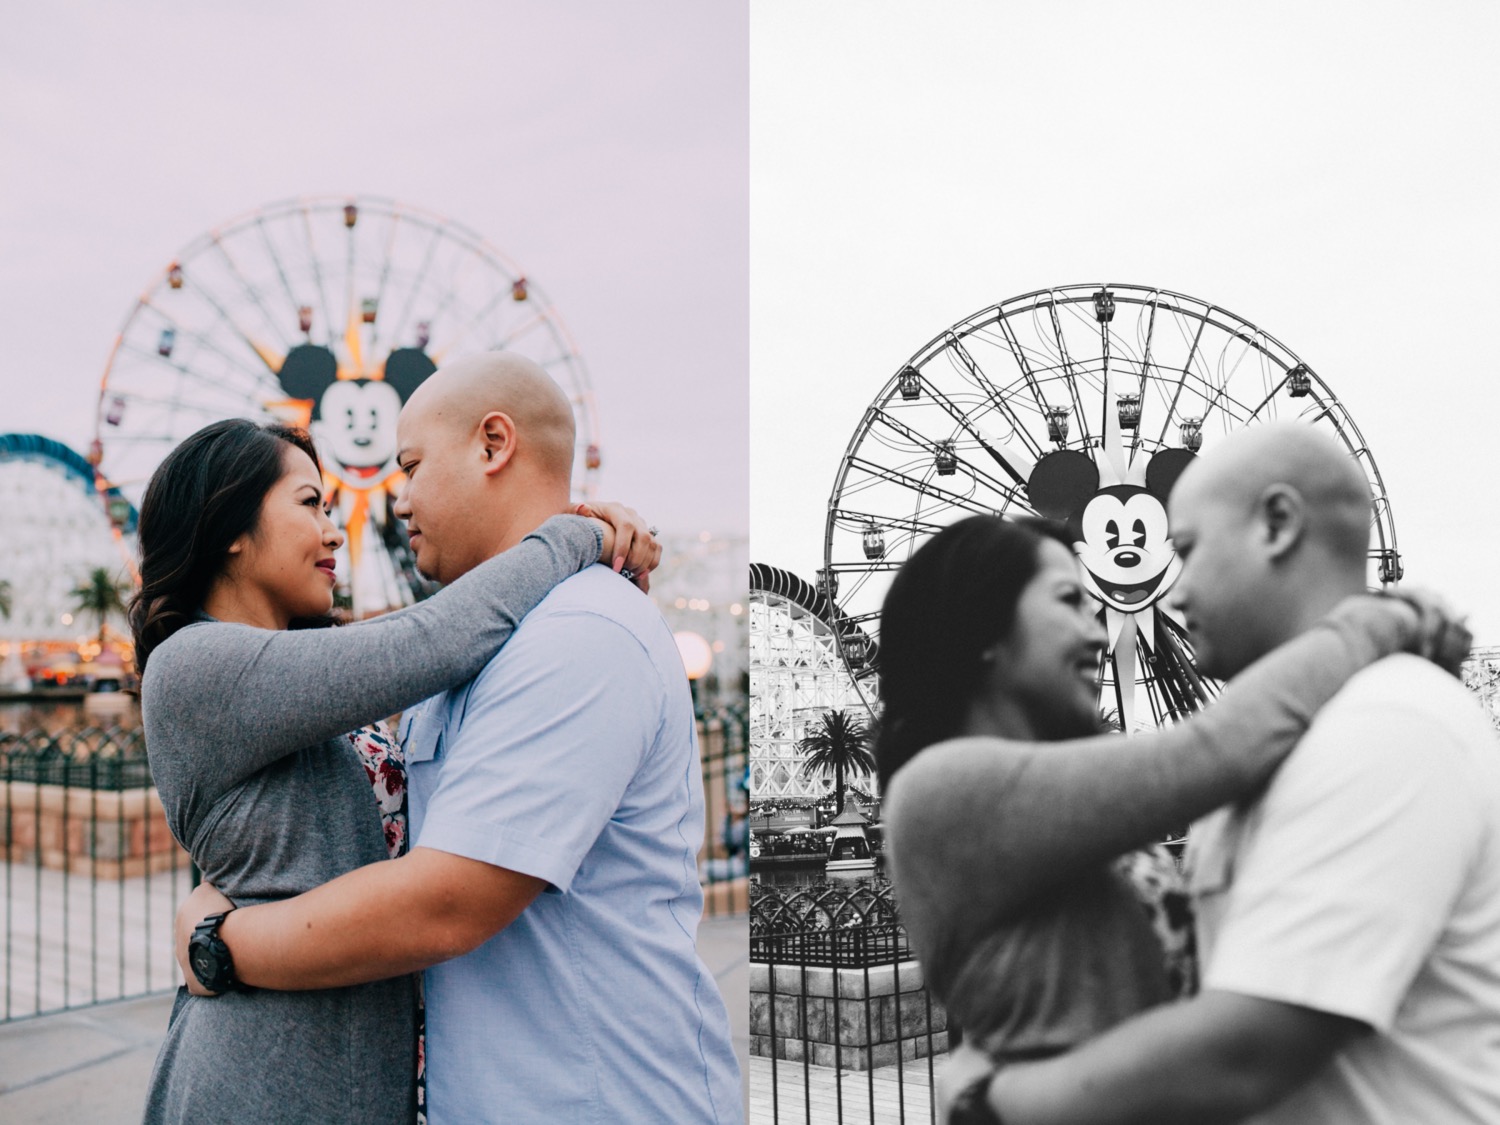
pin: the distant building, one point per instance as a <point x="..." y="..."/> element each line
<point x="796" y="674"/>
<point x="1481" y="675"/>
<point x="60" y="525"/>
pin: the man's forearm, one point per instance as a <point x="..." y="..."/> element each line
<point x="1218" y="1058"/>
<point x="380" y="921"/>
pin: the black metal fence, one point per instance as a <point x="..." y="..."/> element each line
<point x="91" y="875"/>
<point x="842" y="1028"/>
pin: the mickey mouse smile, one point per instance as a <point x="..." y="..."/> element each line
<point x="1128" y="594"/>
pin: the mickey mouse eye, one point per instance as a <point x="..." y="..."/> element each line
<point x="1112" y="534"/>
<point x="1139" y="530"/>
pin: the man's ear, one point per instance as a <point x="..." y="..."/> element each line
<point x="497" y="441"/>
<point x="1283" y="516"/>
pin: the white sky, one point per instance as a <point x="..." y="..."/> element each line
<point x="1326" y="171"/>
<point x="601" y="146"/>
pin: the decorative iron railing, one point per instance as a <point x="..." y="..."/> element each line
<point x="90" y="876"/>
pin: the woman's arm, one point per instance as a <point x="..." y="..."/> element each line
<point x="256" y="695"/>
<point x="1030" y="815"/>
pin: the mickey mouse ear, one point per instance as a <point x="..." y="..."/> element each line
<point x="1062" y="482"/>
<point x="406" y="369"/>
<point x="308" y="371"/>
<point x="1163" y="470"/>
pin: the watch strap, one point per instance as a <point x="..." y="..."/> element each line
<point x="206" y="936"/>
<point x="972" y="1105"/>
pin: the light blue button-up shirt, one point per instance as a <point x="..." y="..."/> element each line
<point x="573" y="758"/>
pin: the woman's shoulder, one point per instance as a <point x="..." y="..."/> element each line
<point x="958" y="772"/>
<point x="195" y="650"/>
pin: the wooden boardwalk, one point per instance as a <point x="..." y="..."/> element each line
<point x="820" y="1095"/>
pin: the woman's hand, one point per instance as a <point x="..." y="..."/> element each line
<point x="1443" y="636"/>
<point x="630" y="544"/>
<point x="204" y="900"/>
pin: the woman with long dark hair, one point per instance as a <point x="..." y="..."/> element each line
<point x="1020" y="832"/>
<point x="264" y="743"/>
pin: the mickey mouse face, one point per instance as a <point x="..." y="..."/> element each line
<point x="1120" y="531"/>
<point x="359" y="425"/>
<point x="1123" y="545"/>
<point x="354" y="420"/>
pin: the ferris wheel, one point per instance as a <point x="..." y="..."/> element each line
<point x="326" y="312"/>
<point x="1081" y="403"/>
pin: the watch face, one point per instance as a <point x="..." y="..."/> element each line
<point x="203" y="964"/>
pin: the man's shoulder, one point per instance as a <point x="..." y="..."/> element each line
<point x="1398" y="720"/>
<point x="593" y="615"/>
<point x="599" y="592"/>
<point x="1410" y="690"/>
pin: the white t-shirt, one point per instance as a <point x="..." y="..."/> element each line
<point x="1366" y="883"/>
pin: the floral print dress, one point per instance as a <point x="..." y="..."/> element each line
<point x="385" y="766"/>
<point x="1159" y="885"/>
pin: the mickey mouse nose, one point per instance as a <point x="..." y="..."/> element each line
<point x="1128" y="559"/>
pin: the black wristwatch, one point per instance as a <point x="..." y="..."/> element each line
<point x="972" y="1106"/>
<point x="209" y="957"/>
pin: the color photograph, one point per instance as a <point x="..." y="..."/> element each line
<point x="399" y="320"/>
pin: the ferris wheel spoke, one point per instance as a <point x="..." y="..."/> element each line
<point x="921" y="487"/>
<point x="1011" y="492"/>
<point x="351" y="331"/>
<point x="955" y="345"/>
<point x="415" y="289"/>
<point x="202" y="339"/>
<point x="215" y="385"/>
<point x="482" y="316"/>
<point x="316" y="261"/>
<point x="897" y="523"/>
<point x="1019" y="467"/>
<point x="1018" y="353"/>
<point x="440" y="310"/>
<point x="170" y="402"/>
<point x="1068" y="368"/>
<point x="1182" y="379"/>
<point x="394" y="222"/>
<point x="1016" y="465"/>
<point x="522" y="330"/>
<point x="1175" y="648"/>
<point x="253" y="291"/>
<point x="286" y="284"/>
<point x="233" y="326"/>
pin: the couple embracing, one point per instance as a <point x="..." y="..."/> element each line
<point x="530" y="840"/>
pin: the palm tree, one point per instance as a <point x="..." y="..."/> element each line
<point x="840" y="745"/>
<point x="100" y="595"/>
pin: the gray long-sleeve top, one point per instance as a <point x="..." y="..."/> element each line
<point x="245" y="729"/>
<point x="1000" y="849"/>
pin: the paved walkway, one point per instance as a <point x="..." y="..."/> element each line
<point x="92" y="1065"/>
<point x="888" y="1096"/>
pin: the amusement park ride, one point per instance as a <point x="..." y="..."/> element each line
<point x="1081" y="403"/>
<point x="327" y="313"/>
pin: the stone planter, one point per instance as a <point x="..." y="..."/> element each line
<point x="104" y="834"/>
<point x="855" y="1019"/>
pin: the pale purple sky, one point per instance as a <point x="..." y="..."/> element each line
<point x="603" y="147"/>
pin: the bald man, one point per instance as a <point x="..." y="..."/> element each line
<point x="1349" y="919"/>
<point x="556" y="812"/>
